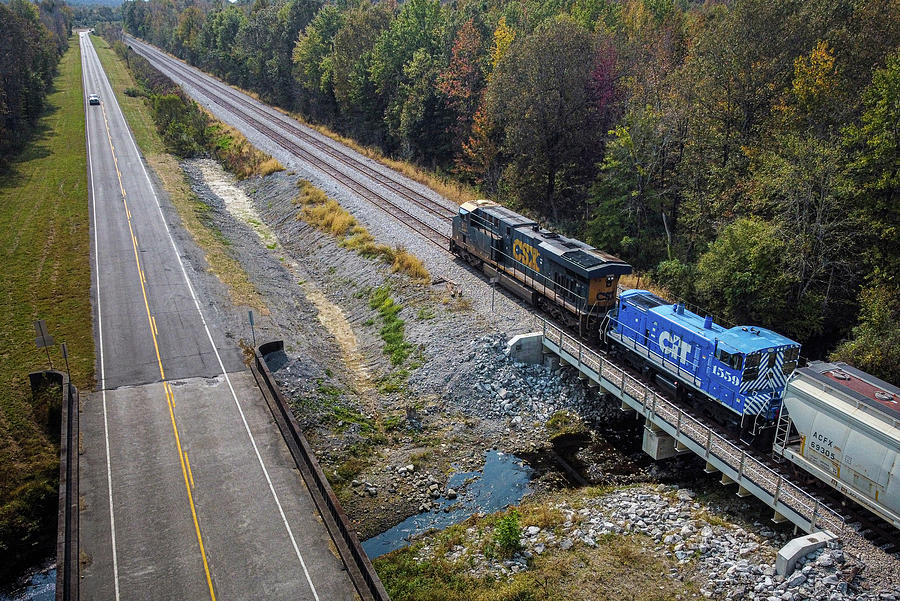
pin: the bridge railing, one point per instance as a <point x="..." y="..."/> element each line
<point x="745" y="468"/>
<point x="67" y="566"/>
<point x="359" y="567"/>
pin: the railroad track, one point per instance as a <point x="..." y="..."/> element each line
<point x="869" y="526"/>
<point x="254" y="116"/>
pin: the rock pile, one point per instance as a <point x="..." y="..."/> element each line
<point x="490" y="385"/>
<point x="728" y="561"/>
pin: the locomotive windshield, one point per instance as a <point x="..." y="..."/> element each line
<point x="751" y="367"/>
<point x="790" y="360"/>
<point x="732" y="360"/>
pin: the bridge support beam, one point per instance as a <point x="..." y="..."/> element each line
<point x="658" y="444"/>
<point x="527" y="348"/>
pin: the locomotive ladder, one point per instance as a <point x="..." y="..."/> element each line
<point x="782" y="432"/>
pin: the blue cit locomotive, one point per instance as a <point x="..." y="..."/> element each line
<point x="744" y="369"/>
<point x="572" y="281"/>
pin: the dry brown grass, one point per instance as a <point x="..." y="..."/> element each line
<point x="327" y="215"/>
<point x="406" y="262"/>
<point x="643" y="282"/>
<point x="542" y="515"/>
<point x="269" y="166"/>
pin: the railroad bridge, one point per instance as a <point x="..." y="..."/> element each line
<point x="670" y="430"/>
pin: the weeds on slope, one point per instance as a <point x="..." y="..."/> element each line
<point x="329" y="216"/>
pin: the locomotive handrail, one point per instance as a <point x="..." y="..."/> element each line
<point x="748" y="470"/>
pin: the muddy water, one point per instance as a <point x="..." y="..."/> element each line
<point x="503" y="481"/>
<point x="330" y="315"/>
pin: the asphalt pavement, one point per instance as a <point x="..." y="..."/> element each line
<point x="189" y="490"/>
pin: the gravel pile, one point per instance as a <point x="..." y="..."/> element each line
<point x="729" y="561"/>
<point x="488" y="384"/>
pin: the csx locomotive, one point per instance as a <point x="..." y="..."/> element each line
<point x="572" y="281"/>
<point x="744" y="368"/>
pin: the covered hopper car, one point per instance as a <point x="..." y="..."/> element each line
<point x="842" y="425"/>
<point x="572" y="281"/>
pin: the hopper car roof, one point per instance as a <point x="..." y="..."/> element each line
<point x="856" y="385"/>
<point x="744" y="339"/>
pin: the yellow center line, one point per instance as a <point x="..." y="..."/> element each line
<point x="170" y="396"/>
<point x="190" y="473"/>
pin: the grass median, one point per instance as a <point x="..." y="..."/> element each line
<point x="44" y="274"/>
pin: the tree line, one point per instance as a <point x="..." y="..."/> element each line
<point x="744" y="154"/>
<point x="33" y="37"/>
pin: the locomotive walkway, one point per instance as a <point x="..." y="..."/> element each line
<point x="189" y="490"/>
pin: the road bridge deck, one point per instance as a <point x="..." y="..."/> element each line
<point x="189" y="491"/>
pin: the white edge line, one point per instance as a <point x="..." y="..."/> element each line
<point x="112" y="518"/>
<point x="218" y="357"/>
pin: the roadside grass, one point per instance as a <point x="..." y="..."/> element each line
<point x="236" y="152"/>
<point x="327" y="215"/>
<point x="619" y="568"/>
<point x="191" y="210"/>
<point x="45" y="274"/>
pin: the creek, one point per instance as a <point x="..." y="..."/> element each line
<point x="40" y="586"/>
<point x="503" y="481"/>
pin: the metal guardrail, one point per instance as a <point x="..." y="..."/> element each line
<point x="359" y="567"/>
<point x="67" y="565"/>
<point x="743" y="468"/>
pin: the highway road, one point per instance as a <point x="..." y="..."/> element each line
<point x="189" y="490"/>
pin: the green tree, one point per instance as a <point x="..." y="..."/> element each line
<point x="633" y="201"/>
<point x="800" y="186"/>
<point x="875" y="343"/>
<point x="741" y="277"/>
<point x="540" y="97"/>
<point x="405" y="63"/>
<point x="313" y="52"/>
<point x="354" y="90"/>
<point x="875" y="168"/>
<point x="219" y="37"/>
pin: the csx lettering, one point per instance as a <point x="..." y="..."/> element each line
<point x="674" y="347"/>
<point x="526" y="254"/>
